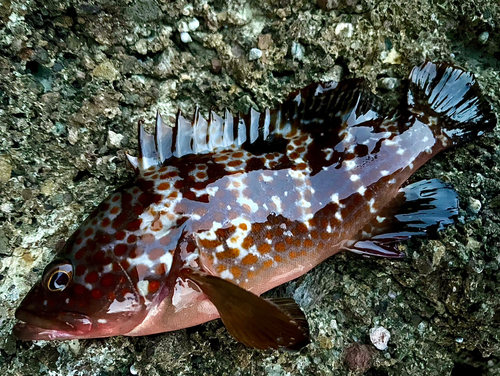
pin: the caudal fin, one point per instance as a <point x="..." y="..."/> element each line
<point x="449" y="98"/>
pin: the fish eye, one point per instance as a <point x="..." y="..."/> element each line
<point x="58" y="275"/>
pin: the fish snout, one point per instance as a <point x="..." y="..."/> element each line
<point x="39" y="325"/>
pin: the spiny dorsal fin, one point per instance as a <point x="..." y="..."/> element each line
<point x="312" y="109"/>
<point x="199" y="136"/>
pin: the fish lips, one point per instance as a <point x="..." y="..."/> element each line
<point x="63" y="325"/>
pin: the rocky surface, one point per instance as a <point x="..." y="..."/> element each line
<point x="75" y="76"/>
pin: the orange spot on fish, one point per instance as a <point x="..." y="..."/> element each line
<point x="280" y="247"/>
<point x="247" y="242"/>
<point x="249" y="259"/>
<point x="153" y="286"/>
<point x="163" y="186"/>
<point x="97" y="294"/>
<point x="268" y="264"/>
<point x="88" y="232"/>
<point x="220" y="268"/>
<point x="234" y="163"/>
<point x="228" y="253"/>
<point x="209" y="243"/>
<point x="235" y="271"/>
<point x="264" y="248"/>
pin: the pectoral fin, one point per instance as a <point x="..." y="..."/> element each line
<point x="252" y="320"/>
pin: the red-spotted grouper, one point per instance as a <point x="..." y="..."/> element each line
<point x="223" y="210"/>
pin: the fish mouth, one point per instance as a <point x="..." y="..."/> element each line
<point x="38" y="326"/>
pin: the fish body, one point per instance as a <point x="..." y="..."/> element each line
<point x="223" y="210"/>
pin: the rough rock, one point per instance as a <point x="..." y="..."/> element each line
<point x="73" y="72"/>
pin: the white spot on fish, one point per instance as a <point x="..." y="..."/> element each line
<point x="226" y="274"/>
<point x="277" y="202"/>
<point x="142" y="287"/>
<point x="350" y="164"/>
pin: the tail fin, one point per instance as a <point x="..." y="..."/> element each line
<point x="449" y="97"/>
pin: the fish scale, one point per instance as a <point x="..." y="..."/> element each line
<point x="223" y="210"/>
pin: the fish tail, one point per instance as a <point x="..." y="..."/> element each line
<point x="449" y="99"/>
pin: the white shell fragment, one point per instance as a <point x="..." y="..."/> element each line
<point x="254" y="54"/>
<point x="194" y="24"/>
<point x="297" y="51"/>
<point x="380" y="337"/>
<point x="186" y="38"/>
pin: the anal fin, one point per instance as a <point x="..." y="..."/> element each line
<point x="252" y="320"/>
<point x="421" y="208"/>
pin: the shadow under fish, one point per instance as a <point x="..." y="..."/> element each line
<point x="223" y="210"/>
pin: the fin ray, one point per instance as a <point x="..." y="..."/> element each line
<point x="420" y="208"/>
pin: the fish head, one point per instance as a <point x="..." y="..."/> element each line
<point x="92" y="288"/>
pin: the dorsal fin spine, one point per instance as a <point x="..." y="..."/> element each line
<point x="267" y="121"/>
<point x="184" y="139"/>
<point x="254" y="125"/>
<point x="228" y="128"/>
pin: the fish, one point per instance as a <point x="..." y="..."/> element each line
<point x="222" y="210"/>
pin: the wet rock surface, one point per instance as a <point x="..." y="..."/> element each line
<point x="76" y="76"/>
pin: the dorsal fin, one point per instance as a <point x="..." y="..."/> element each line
<point x="199" y="136"/>
<point x="312" y="109"/>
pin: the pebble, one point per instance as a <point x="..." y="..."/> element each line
<point x="474" y="206"/>
<point x="389" y="83"/>
<point x="345" y="28"/>
<point x="5" y="168"/>
<point x="114" y="139"/>
<point x="393" y="57"/>
<point x="297" y="51"/>
<point x="106" y="71"/>
<point x="185" y="37"/>
<point x="194" y="24"/>
<point x="380" y="337"/>
<point x="254" y="54"/>
<point x="483" y="37"/>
